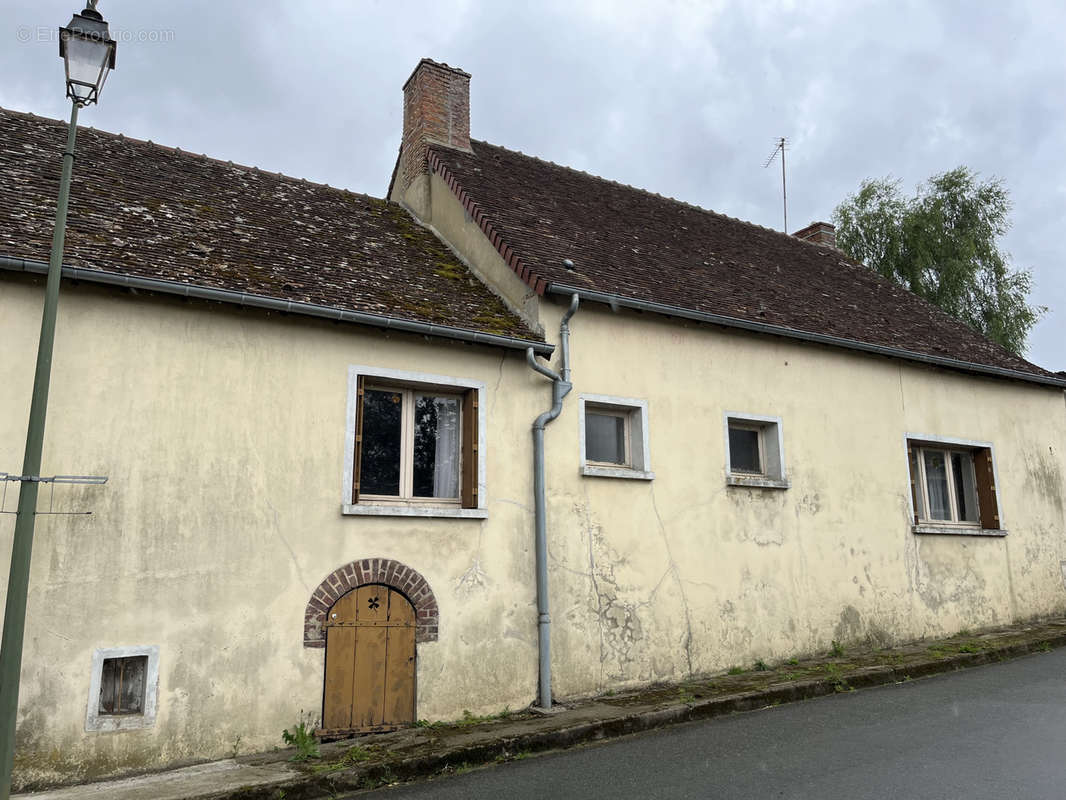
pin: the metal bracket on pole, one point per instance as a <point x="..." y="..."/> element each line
<point x="89" y="480"/>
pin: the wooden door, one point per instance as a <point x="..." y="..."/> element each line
<point x="370" y="662"/>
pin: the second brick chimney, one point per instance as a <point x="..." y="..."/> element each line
<point x="818" y="233"/>
<point x="436" y="110"/>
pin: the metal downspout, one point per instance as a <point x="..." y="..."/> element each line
<point x="560" y="388"/>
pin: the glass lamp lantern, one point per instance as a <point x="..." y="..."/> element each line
<point x="88" y="52"/>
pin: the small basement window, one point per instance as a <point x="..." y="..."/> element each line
<point x="122" y="683"/>
<point x="614" y="437"/>
<point x="754" y="451"/>
<point x="953" y="487"/>
<point x="123" y="688"/>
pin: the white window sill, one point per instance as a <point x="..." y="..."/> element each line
<point x="756" y="482"/>
<point x="956" y="530"/>
<point x="368" y="510"/>
<point x="617" y="472"/>
<point x="109" y="723"/>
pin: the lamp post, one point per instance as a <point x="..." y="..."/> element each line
<point x="88" y="53"/>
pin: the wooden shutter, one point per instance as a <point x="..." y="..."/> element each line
<point x="986" y="489"/>
<point x="468" y="491"/>
<point x="357" y="458"/>
<point x="912" y="460"/>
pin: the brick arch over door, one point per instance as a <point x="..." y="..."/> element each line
<point x="371" y="570"/>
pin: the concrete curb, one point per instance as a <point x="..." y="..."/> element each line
<point x="311" y="787"/>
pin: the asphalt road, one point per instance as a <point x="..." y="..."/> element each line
<point x="991" y="732"/>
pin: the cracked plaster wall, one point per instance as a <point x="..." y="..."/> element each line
<point x="684" y="575"/>
<point x="222" y="433"/>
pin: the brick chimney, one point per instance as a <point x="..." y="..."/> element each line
<point x="436" y="110"/>
<point x="818" y="233"/>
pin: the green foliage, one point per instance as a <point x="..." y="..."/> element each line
<point x="357" y="754"/>
<point x="837" y="650"/>
<point x="942" y="244"/>
<point x="836" y="678"/>
<point x="302" y="738"/>
<point x="467" y="720"/>
<point x="736" y="670"/>
<point x="760" y="666"/>
<point x="472" y="719"/>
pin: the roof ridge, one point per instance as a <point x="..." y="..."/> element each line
<point x="190" y="154"/>
<point x="646" y="192"/>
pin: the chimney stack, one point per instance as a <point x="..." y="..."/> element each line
<point x="436" y="110"/>
<point x="818" y="233"/>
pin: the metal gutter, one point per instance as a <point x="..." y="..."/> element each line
<point x="245" y="299"/>
<point x="617" y="301"/>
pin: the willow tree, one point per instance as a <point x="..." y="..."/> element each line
<point x="944" y="245"/>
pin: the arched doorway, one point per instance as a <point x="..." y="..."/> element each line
<point x="370" y="662"/>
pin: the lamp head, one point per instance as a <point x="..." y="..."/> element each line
<point x="88" y="53"/>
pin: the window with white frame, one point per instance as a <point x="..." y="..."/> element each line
<point x="414" y="445"/>
<point x="614" y="437"/>
<point x="754" y="451"/>
<point x="953" y="485"/>
<point x="123" y="688"/>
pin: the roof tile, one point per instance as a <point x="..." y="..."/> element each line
<point x="150" y="211"/>
<point x="642" y="246"/>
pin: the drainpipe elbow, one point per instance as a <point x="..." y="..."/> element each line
<point x="535" y="365"/>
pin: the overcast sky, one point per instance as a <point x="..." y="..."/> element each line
<point x="683" y="98"/>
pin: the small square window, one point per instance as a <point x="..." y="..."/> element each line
<point x="614" y="437"/>
<point x="745" y="449"/>
<point x="122" y="683"/>
<point x="607" y="437"/>
<point x="952" y="487"/>
<point x="123" y="688"/>
<point x="754" y="451"/>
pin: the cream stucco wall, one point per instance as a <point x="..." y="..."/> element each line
<point x="660" y="579"/>
<point x="223" y="435"/>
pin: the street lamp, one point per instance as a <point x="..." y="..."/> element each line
<point x="88" y="53"/>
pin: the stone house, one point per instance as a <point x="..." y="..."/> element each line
<point x="314" y="408"/>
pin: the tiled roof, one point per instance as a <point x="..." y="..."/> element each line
<point x="641" y="246"/>
<point x="149" y="211"/>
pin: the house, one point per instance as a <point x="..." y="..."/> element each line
<point x="315" y="407"/>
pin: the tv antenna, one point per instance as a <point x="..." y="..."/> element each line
<point x="780" y="147"/>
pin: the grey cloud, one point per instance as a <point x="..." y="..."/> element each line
<point x="681" y="98"/>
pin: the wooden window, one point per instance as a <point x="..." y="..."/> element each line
<point x="123" y="688"/>
<point x="415" y="445"/>
<point x="952" y="486"/>
<point x="122" y="685"/>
